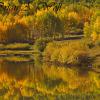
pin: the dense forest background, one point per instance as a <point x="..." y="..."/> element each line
<point x="26" y="20"/>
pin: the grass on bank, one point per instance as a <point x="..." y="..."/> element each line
<point x="17" y="59"/>
<point x="16" y="46"/>
<point x="16" y="49"/>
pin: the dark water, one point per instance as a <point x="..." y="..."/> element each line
<point x="24" y="78"/>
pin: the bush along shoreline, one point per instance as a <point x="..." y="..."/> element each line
<point x="74" y="53"/>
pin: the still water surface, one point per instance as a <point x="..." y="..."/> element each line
<point x="23" y="78"/>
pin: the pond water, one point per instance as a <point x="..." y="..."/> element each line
<point x="23" y="78"/>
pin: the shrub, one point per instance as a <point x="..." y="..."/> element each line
<point x="71" y="53"/>
<point x="80" y="57"/>
<point x="55" y="55"/>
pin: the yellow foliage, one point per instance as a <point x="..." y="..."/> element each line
<point x="96" y="25"/>
<point x="41" y="12"/>
<point x="73" y="15"/>
<point x="71" y="53"/>
<point x="3" y="27"/>
<point x="63" y="14"/>
<point x="94" y="36"/>
<point x="24" y="20"/>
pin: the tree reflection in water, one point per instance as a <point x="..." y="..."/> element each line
<point x="31" y="80"/>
